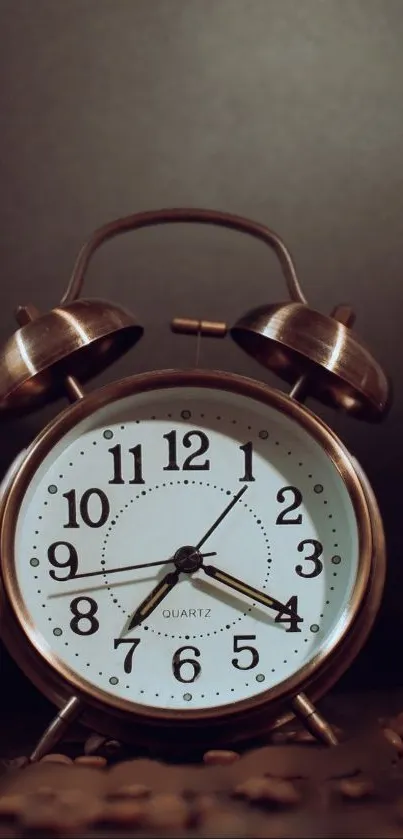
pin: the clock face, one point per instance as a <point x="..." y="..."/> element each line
<point x="185" y="548"/>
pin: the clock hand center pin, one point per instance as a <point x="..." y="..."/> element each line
<point x="187" y="559"/>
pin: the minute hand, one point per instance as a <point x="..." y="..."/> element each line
<point x="245" y="588"/>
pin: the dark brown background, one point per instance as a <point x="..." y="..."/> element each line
<point x="287" y="111"/>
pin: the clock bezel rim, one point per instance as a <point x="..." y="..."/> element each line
<point x="62" y="682"/>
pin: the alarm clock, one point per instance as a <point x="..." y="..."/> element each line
<point x="188" y="557"/>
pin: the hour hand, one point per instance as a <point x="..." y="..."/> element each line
<point x="247" y="590"/>
<point x="154" y="599"/>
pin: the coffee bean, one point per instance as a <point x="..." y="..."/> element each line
<point x="112" y="747"/>
<point x="123" y="813"/>
<point x="276" y="828"/>
<point x="131" y="791"/>
<point x="221" y="822"/>
<point x="202" y="805"/>
<point x="356" y="788"/>
<point x="220" y="757"/>
<point x="56" y="758"/>
<point x="300" y="735"/>
<point x="93" y="743"/>
<point x="14" y="763"/>
<point x="44" y="793"/>
<point x="394" y="739"/>
<point x="280" y="737"/>
<point x="97" y="761"/>
<point x="41" y="815"/>
<point x="268" y="789"/>
<point x="63" y="812"/>
<point x="166" y="811"/>
<point x="11" y="805"/>
<point x="86" y="806"/>
<point x="304" y="736"/>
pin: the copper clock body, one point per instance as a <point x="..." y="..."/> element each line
<point x="241" y="720"/>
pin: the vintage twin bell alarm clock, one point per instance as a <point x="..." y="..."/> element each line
<point x="189" y="558"/>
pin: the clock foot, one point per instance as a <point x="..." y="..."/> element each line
<point x="57" y="728"/>
<point x="305" y="710"/>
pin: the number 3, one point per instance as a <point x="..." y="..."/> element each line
<point x="314" y="557"/>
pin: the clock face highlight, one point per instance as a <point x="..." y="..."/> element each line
<point x="246" y="536"/>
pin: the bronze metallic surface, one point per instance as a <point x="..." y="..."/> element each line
<point x="288" y="338"/>
<point x="305" y="710"/>
<point x="57" y="728"/>
<point x="294" y="340"/>
<point x="82" y="337"/>
<point x="79" y="339"/>
<point x="317" y="354"/>
<point x="189" y="326"/>
<point x="285" y="111"/>
<point x="183" y="216"/>
<point x="243" y="719"/>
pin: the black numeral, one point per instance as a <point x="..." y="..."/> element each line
<point x="116" y="453"/>
<point x="71" y="562"/>
<point x="84" y="507"/>
<point x="281" y="497"/>
<point x="134" y="642"/>
<point x="178" y="663"/>
<point x="172" y="464"/>
<point x="86" y="616"/>
<point x="238" y="649"/>
<point x="247" y="449"/>
<point x="291" y="616"/>
<point x="313" y="557"/>
<point x="188" y="464"/>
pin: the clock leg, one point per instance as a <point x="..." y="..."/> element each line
<point x="305" y="710"/>
<point x="57" y="728"/>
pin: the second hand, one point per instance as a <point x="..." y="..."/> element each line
<point x="128" y="568"/>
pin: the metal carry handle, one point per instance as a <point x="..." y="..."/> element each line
<point x="175" y="216"/>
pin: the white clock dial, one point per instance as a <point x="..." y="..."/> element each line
<point x="142" y="480"/>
